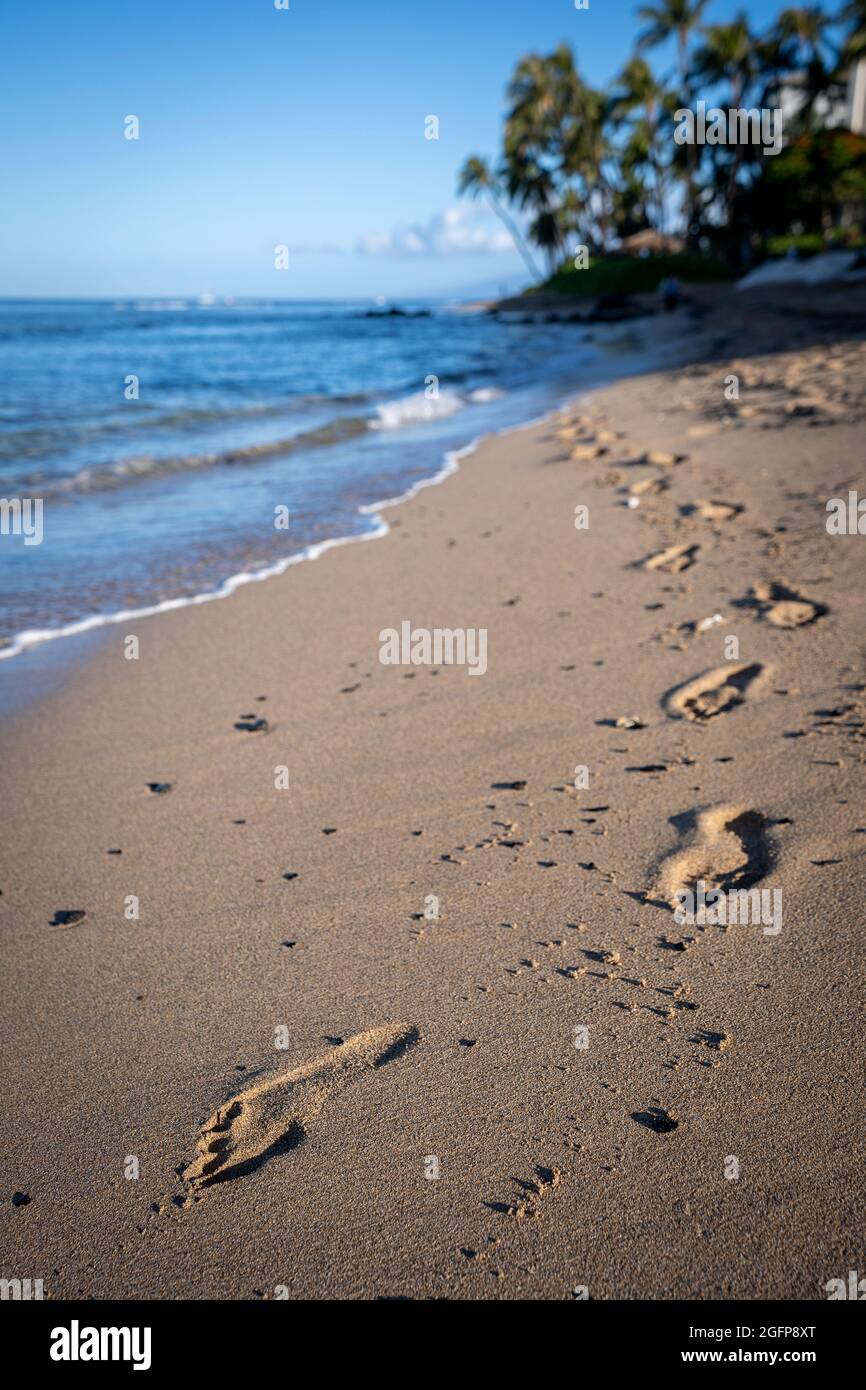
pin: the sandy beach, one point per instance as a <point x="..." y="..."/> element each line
<point x="379" y="992"/>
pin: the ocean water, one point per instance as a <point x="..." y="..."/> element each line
<point x="168" y="488"/>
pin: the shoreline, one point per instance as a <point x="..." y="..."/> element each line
<point x="639" y="361"/>
<point x="304" y="907"/>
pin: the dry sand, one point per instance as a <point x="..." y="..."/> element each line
<point x="285" y="1042"/>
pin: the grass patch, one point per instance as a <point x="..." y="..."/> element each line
<point x="813" y="243"/>
<point x="633" y="274"/>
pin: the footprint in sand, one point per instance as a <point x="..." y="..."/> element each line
<point x="651" y="486"/>
<point x="781" y="606"/>
<point x="673" y="560"/>
<point x="662" y="458"/>
<point x="714" y="691"/>
<point x="272" y="1115"/>
<point x="534" y="1189"/>
<point x="709" y="509"/>
<point x="725" y="846"/>
<point x="791" y="613"/>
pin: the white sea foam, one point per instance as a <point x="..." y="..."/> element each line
<point x="486" y="393"/>
<point x="32" y="637"/>
<point x="409" y="410"/>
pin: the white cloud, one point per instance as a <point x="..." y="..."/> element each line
<point x="458" y="231"/>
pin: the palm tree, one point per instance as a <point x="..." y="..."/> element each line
<point x="548" y="231"/>
<point x="679" y="20"/>
<point x="477" y="178"/>
<point x="808" y="26"/>
<point x="587" y="153"/>
<point x="805" y="31"/>
<point x="533" y="188"/>
<point x="728" y="54"/>
<point x="854" y="16"/>
<point x="638" y="91"/>
<point x="555" y="143"/>
<point x="775" y="59"/>
<point x="632" y="202"/>
<point x="668" y="19"/>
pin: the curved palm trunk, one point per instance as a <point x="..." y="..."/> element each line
<point x="604" y="199"/>
<point x="731" y="189"/>
<point x="691" y="151"/>
<point x="660" y="198"/>
<point x="514" y="232"/>
<point x="656" y="164"/>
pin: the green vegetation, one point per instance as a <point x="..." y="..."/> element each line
<point x="814" y="176"/>
<point x="635" y="275"/>
<point x="809" y="244"/>
<point x="813" y="243"/>
<point x="586" y="166"/>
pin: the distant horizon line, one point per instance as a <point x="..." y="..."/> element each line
<point x="212" y="301"/>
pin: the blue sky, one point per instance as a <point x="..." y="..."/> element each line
<point x="260" y="127"/>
